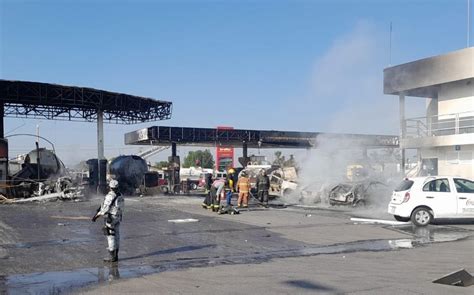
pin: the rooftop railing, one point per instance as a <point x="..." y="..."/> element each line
<point x="439" y="125"/>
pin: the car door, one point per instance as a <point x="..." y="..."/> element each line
<point x="465" y="196"/>
<point x="439" y="196"/>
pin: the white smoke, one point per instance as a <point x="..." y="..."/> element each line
<point x="350" y="76"/>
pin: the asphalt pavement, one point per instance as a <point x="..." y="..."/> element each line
<point x="170" y="245"/>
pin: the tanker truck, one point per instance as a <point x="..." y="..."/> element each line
<point x="129" y="171"/>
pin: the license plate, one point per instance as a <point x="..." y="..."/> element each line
<point x="392" y="209"/>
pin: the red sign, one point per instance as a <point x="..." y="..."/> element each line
<point x="224" y="154"/>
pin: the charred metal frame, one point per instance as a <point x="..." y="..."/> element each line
<point x="34" y="100"/>
<point x="161" y="135"/>
<point x="70" y="103"/>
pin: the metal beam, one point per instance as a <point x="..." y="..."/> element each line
<point x="58" y="102"/>
<point x="162" y="135"/>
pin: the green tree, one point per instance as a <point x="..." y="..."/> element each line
<point x="200" y="158"/>
<point x="161" y="164"/>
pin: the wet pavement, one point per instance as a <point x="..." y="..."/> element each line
<point x="46" y="255"/>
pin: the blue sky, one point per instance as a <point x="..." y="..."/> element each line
<point x="299" y="65"/>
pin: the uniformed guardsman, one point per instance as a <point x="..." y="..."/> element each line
<point x="111" y="209"/>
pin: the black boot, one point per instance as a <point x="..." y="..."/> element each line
<point x="111" y="258"/>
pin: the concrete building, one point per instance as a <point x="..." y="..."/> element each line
<point x="444" y="137"/>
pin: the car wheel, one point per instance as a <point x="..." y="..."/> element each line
<point x="402" y="219"/>
<point x="288" y="192"/>
<point x="421" y="216"/>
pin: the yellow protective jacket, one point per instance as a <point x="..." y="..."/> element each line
<point x="243" y="185"/>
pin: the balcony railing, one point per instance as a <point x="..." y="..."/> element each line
<point x="439" y="125"/>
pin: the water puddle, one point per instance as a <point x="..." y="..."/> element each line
<point x="434" y="234"/>
<point x="46" y="243"/>
<point x="66" y="281"/>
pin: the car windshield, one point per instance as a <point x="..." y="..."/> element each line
<point x="405" y="185"/>
<point x="464" y="185"/>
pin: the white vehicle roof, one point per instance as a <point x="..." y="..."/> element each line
<point x="434" y="177"/>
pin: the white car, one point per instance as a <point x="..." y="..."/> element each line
<point x="423" y="199"/>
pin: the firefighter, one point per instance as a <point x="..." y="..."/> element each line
<point x="232" y="178"/>
<point x="263" y="185"/>
<point x="243" y="187"/>
<point x="209" y="180"/>
<point x="217" y="188"/>
<point x="111" y="209"/>
<point x="207" y="204"/>
<point x="225" y="205"/>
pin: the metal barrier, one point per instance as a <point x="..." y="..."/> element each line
<point x="439" y="125"/>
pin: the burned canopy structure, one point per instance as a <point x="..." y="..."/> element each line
<point x="57" y="102"/>
<point x="36" y="100"/>
<point x="162" y="135"/>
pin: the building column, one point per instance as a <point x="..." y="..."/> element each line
<point x="431" y="114"/>
<point x="2" y="122"/>
<point x="3" y="153"/>
<point x="402" y="131"/>
<point x="173" y="149"/>
<point x="174" y="168"/>
<point x="245" y="156"/>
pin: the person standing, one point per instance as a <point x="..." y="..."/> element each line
<point x="263" y="185"/>
<point x="243" y="187"/>
<point x="207" y="204"/>
<point x="111" y="209"/>
<point x="232" y="179"/>
<point x="217" y="188"/>
<point x="209" y="180"/>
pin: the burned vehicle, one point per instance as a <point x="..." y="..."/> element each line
<point x="42" y="173"/>
<point x="282" y="180"/>
<point x="353" y="193"/>
<point x="315" y="193"/>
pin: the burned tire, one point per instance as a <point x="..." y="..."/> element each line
<point x="421" y="216"/>
<point x="359" y="203"/>
<point x="402" y="219"/>
<point x="288" y="192"/>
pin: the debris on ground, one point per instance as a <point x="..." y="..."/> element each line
<point x="186" y="220"/>
<point x="71" y="217"/>
<point x="352" y="193"/>
<point x="41" y="176"/>
<point x="378" y="221"/>
<point x="69" y="195"/>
